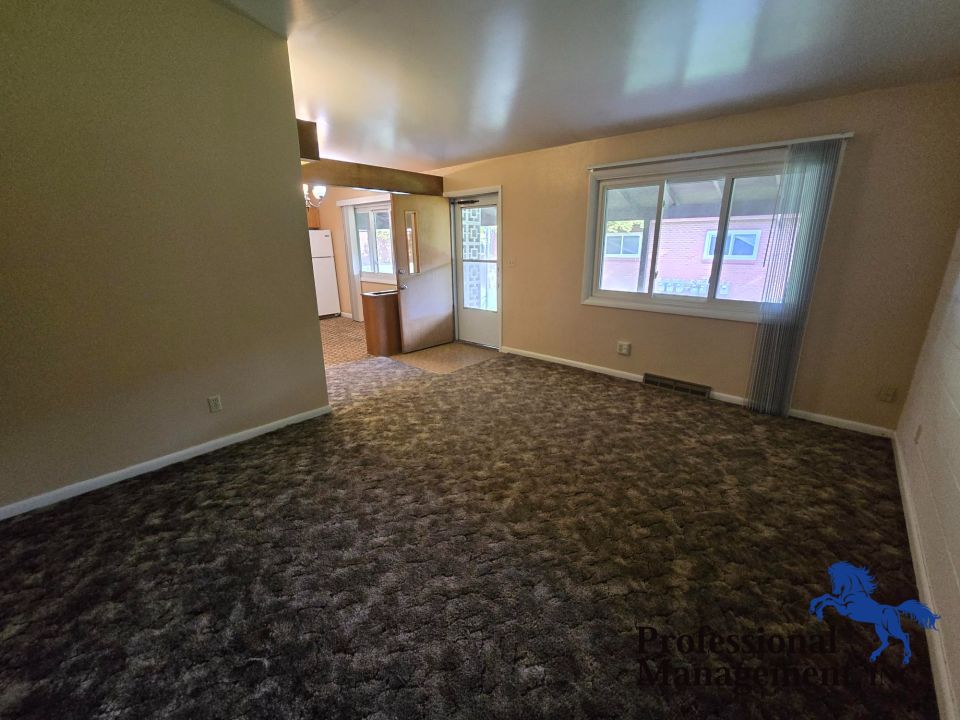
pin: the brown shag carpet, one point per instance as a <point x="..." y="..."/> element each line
<point x="482" y="544"/>
<point x="343" y="341"/>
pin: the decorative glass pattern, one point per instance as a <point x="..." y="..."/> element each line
<point x="478" y="243"/>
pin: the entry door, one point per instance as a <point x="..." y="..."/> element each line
<point x="478" y="269"/>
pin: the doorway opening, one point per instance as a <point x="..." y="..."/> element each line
<point x="394" y="278"/>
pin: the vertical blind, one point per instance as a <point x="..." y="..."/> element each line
<point x="796" y="235"/>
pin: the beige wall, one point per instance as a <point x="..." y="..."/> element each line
<point x="930" y="465"/>
<point x="153" y="246"/>
<point x="331" y="218"/>
<point x="889" y="236"/>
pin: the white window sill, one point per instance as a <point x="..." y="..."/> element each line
<point x="714" y="309"/>
<point x="382" y="278"/>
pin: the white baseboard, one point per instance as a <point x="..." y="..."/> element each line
<point x="842" y="423"/>
<point x="348" y="316"/>
<point x="722" y="397"/>
<point x="635" y="377"/>
<point x="949" y="707"/>
<point x="85" y="486"/>
<point x="574" y="363"/>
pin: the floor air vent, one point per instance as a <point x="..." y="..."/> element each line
<point x="680" y="386"/>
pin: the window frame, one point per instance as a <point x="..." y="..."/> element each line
<point x="375" y="276"/>
<point x="767" y="161"/>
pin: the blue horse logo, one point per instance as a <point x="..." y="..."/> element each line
<point x="852" y="587"/>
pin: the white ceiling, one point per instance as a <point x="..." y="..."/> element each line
<point x="422" y="84"/>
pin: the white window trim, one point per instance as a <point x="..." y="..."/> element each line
<point x="777" y="144"/>
<point x="358" y="274"/>
<point x="757" y="234"/>
<point x="732" y="165"/>
<point x="371" y="275"/>
<point x="696" y="307"/>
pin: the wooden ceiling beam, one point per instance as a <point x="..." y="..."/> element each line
<point x="357" y="175"/>
<point x="370" y="177"/>
<point x="307" y="134"/>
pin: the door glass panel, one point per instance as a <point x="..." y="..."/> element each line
<point x="691" y="210"/>
<point x="745" y="256"/>
<point x="478" y="253"/>
<point x="629" y="219"/>
<point x="478" y="228"/>
<point x="363" y="233"/>
<point x="413" y="242"/>
<point x="381" y="219"/>
<point x="480" y="285"/>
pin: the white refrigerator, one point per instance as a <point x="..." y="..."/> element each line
<point x="324" y="274"/>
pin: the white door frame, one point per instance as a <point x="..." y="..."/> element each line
<point x="453" y="195"/>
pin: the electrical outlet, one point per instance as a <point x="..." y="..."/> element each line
<point x="887" y="394"/>
<point x="916" y="435"/>
<point x="214" y="403"/>
<point x="623" y="347"/>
